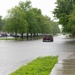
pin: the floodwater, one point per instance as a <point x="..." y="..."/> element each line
<point x="14" y="54"/>
<point x="66" y="62"/>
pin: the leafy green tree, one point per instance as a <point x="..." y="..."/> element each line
<point x="6" y="27"/>
<point x="33" y="16"/>
<point x="62" y="11"/>
<point x="55" y="28"/>
<point x="18" y="21"/>
<point x="23" y="18"/>
<point x="48" y="26"/>
<point x="1" y="23"/>
<point x="16" y="18"/>
<point x="72" y="22"/>
<point x="26" y="6"/>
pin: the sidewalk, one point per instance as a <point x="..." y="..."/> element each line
<point x="65" y="66"/>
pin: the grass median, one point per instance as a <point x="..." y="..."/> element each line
<point x="39" y="66"/>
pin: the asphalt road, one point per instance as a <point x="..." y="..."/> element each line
<point x="14" y="54"/>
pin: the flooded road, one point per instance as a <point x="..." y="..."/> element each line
<point x="66" y="62"/>
<point x="14" y="54"/>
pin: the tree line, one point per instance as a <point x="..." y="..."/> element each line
<point x="23" y="18"/>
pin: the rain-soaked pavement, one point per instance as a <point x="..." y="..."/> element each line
<point x="14" y="54"/>
<point x="66" y="66"/>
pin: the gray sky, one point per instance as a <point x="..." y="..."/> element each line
<point x="46" y="6"/>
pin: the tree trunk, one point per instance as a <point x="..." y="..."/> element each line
<point x="37" y="34"/>
<point x="27" y="36"/>
<point x="22" y="36"/>
<point x="34" y="34"/>
<point x="15" y="34"/>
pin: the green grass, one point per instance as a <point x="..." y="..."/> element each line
<point x="7" y="38"/>
<point x="39" y="66"/>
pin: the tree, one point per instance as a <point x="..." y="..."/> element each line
<point x="33" y="16"/>
<point x="23" y="18"/>
<point x="1" y="23"/>
<point x="18" y="22"/>
<point x="17" y="18"/>
<point x="55" y="28"/>
<point x="62" y="11"/>
<point x="72" y="21"/>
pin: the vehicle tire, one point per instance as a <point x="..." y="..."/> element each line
<point x="43" y="40"/>
<point x="51" y="40"/>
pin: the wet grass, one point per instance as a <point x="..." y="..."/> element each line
<point x="20" y="39"/>
<point x="39" y="66"/>
<point x="4" y="38"/>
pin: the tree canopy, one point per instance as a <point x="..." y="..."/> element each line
<point x="23" y="18"/>
<point x="64" y="11"/>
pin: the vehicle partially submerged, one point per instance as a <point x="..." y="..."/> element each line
<point x="47" y="38"/>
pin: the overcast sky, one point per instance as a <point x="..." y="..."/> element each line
<point x="46" y="6"/>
